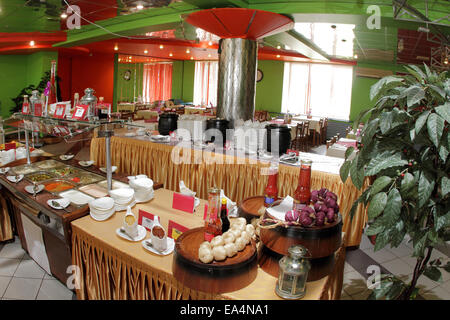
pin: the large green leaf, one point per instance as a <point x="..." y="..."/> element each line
<point x="444" y="111"/>
<point x="442" y="221"/>
<point x="377" y="205"/>
<point x="344" y="170"/>
<point x="356" y="174"/>
<point x="393" y="207"/>
<point x="379" y="184"/>
<point x="445" y="186"/>
<point x="419" y="246"/>
<point x="416" y="74"/>
<point x="348" y="152"/>
<point x="418" y="71"/>
<point x="386" y="120"/>
<point x="369" y="131"/>
<point x="408" y="182"/>
<point x="382" y="240"/>
<point x="435" y="126"/>
<point x="433" y="273"/>
<point x="414" y="95"/>
<point x="377" y="88"/>
<point x="421" y="120"/>
<point x="382" y="161"/>
<point x="426" y="186"/>
<point x="440" y="91"/>
<point x="376" y="227"/>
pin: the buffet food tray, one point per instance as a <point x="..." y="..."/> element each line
<point x="56" y="186"/>
<point x="40" y="176"/>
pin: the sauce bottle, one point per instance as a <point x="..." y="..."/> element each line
<point x="271" y="191"/>
<point x="302" y="194"/>
<point x="212" y="222"/>
<point x="224" y="216"/>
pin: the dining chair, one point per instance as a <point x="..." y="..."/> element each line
<point x="295" y="144"/>
<point x="324" y="130"/>
<point x="305" y="138"/>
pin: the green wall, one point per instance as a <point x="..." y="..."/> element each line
<point x="126" y="89"/>
<point x="18" y="72"/>
<point x="269" y="90"/>
<point x="188" y="81"/>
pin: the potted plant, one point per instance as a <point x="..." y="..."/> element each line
<point x="405" y="151"/>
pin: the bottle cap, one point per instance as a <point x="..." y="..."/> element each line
<point x="224" y="200"/>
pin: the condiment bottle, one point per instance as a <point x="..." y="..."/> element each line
<point x="224" y="216"/>
<point x="212" y="224"/>
<point x="271" y="191"/>
<point x="302" y="194"/>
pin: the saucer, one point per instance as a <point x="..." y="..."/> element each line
<point x="63" y="202"/>
<point x="142" y="233"/>
<point x="29" y="188"/>
<point x="65" y="157"/>
<point x="102" y="217"/>
<point x="13" y="178"/>
<point x="4" y="170"/>
<point x="170" y="246"/>
<point x="113" y="169"/>
<point x="86" y="163"/>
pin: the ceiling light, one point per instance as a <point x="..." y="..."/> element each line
<point x="192" y="58"/>
<point x="116" y="48"/>
<point x="210" y="43"/>
<point x="63" y="15"/>
<point x="278" y="56"/>
<point x="355" y="56"/>
<point x="32" y="43"/>
<point x="170" y="54"/>
<point x="145" y="51"/>
<point x="209" y="55"/>
<point x="278" y="47"/>
<point x="161" y="46"/>
<point x="445" y="61"/>
<point x="344" y="40"/>
<point x="188" y="51"/>
<point x="140" y="6"/>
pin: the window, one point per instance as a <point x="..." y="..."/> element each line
<point x="157" y="81"/>
<point x="205" y="82"/>
<point x="323" y="90"/>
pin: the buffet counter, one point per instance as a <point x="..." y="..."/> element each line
<point x="113" y="268"/>
<point x="239" y="177"/>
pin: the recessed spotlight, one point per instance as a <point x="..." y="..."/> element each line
<point x="116" y="48"/>
<point x="445" y="61"/>
<point x="192" y="58"/>
<point x="278" y="56"/>
<point x="343" y="40"/>
<point x="355" y="56"/>
<point x="278" y="47"/>
<point x="139" y="7"/>
<point x="170" y="54"/>
<point x="161" y="46"/>
<point x="209" y="55"/>
<point x="63" y="15"/>
<point x="32" y="43"/>
<point x="333" y="26"/>
<point x="145" y="51"/>
<point x="210" y="43"/>
<point x="188" y="51"/>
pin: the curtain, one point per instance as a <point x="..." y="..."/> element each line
<point x="323" y="90"/>
<point x="205" y="82"/>
<point x="157" y="82"/>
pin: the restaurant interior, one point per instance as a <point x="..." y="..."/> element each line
<point x="224" y="149"/>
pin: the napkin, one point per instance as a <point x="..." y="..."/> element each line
<point x="185" y="190"/>
<point x="231" y="206"/>
<point x="280" y="210"/>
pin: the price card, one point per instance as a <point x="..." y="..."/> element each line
<point x="183" y="202"/>
<point x="26" y="108"/>
<point x="38" y="109"/>
<point x="175" y="230"/>
<point x="145" y="219"/>
<point x="80" y="112"/>
<point x="60" y="111"/>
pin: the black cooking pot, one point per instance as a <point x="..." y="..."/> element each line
<point x="280" y="135"/>
<point x="221" y="125"/>
<point x="167" y="123"/>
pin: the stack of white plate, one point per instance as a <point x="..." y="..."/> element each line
<point x="102" y="208"/>
<point x="123" y="197"/>
<point x="143" y="189"/>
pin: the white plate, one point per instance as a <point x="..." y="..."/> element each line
<point x="102" y="204"/>
<point x="145" y="199"/>
<point x="169" y="250"/>
<point x="102" y="217"/>
<point x="65" y="157"/>
<point x="125" y="206"/>
<point x="29" y="188"/>
<point x="13" y="178"/>
<point x="4" y="170"/>
<point x="63" y="202"/>
<point x="86" y="163"/>
<point x="76" y="197"/>
<point x="142" y="233"/>
<point x="113" y="169"/>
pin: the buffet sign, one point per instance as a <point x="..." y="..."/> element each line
<point x="80" y="112"/>
<point x="146" y="219"/>
<point x="38" y="109"/>
<point x="26" y="108"/>
<point x="176" y="230"/>
<point x="60" y="111"/>
<point x="60" y="131"/>
<point x="183" y="202"/>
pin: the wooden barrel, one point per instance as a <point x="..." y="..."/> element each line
<point x="251" y="208"/>
<point x="268" y="260"/>
<point x="218" y="276"/>
<point x="320" y="241"/>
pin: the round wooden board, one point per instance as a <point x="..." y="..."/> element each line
<point x="250" y="207"/>
<point x="188" y="243"/>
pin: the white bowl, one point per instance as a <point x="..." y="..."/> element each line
<point x="86" y="163"/>
<point x="113" y="169"/>
<point x="141" y="183"/>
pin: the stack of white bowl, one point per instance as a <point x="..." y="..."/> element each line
<point x="123" y="197"/>
<point x="102" y="208"/>
<point x="143" y="189"/>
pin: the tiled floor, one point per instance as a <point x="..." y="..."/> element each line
<point x="23" y="279"/>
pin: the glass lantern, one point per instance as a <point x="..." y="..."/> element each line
<point x="293" y="273"/>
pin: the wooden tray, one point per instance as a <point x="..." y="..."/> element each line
<point x="249" y="208"/>
<point x="217" y="277"/>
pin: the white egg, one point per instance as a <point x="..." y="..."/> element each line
<point x="231" y="249"/>
<point x="219" y="253"/>
<point x="217" y="241"/>
<point x="205" y="255"/>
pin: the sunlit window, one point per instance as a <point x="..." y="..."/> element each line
<point x="205" y="82"/>
<point x="334" y="39"/>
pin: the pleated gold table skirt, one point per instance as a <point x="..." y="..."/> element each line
<point x="6" y="232"/>
<point x="240" y="178"/>
<point x="111" y="268"/>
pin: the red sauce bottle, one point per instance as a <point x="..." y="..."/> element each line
<point x="302" y="194"/>
<point x="271" y="191"/>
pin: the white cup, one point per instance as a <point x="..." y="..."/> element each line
<point x="158" y="243"/>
